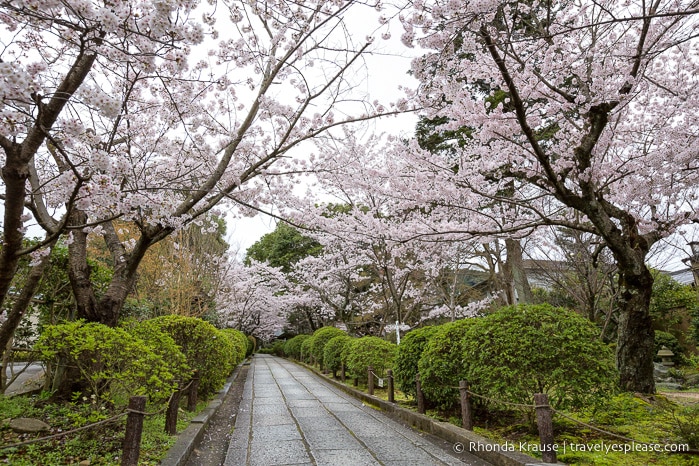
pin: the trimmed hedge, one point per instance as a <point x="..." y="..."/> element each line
<point x="369" y="351"/>
<point x="240" y="341"/>
<point x="307" y="350"/>
<point x="408" y="356"/>
<point x="522" y="350"/>
<point x="442" y="365"/>
<point x="113" y="363"/>
<point x="206" y="348"/>
<point x="332" y="352"/>
<point x="292" y="347"/>
<point x="320" y="339"/>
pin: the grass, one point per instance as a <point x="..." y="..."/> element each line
<point x="101" y="445"/>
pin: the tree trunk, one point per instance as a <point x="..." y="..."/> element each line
<point x="636" y="338"/>
<point x="14" y="174"/>
<point x="21" y="304"/>
<point x="517" y="274"/>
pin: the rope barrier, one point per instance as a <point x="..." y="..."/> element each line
<point x="555" y="411"/>
<point x="61" y="434"/>
<point x="98" y="423"/>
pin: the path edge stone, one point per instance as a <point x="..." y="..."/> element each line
<point x="179" y="453"/>
<point x="443" y="430"/>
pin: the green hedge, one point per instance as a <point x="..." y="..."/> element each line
<point x="408" y="356"/>
<point x="206" y="348"/>
<point x="240" y="341"/>
<point x="320" y="339"/>
<point x="522" y="350"/>
<point x="369" y="351"/>
<point x="292" y="347"/>
<point x="113" y="363"/>
<point x="307" y="350"/>
<point x="442" y="365"/>
<point x="332" y="352"/>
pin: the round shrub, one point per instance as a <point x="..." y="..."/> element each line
<point x="320" y="339"/>
<point x="240" y="341"/>
<point x="307" y="350"/>
<point x="522" y="350"/>
<point x="205" y="348"/>
<point x="408" y="356"/>
<point x="112" y="363"/>
<point x="164" y="346"/>
<point x="292" y="347"/>
<point x="441" y="364"/>
<point x="332" y="352"/>
<point x="361" y="353"/>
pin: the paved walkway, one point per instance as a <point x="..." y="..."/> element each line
<point x="288" y="415"/>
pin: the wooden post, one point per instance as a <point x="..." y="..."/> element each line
<point x="193" y="394"/>
<point x="356" y="381"/>
<point x="342" y="372"/>
<point x="544" y="421"/>
<point x="171" y="413"/>
<point x="389" y="376"/>
<point x="370" y="380"/>
<point x="420" y="395"/>
<point x="466" y="416"/>
<point x="134" y="429"/>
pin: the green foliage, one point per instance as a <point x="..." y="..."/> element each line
<point x="292" y="347"/>
<point x="240" y="341"/>
<point x="100" y="445"/>
<point x="670" y="300"/>
<point x="332" y="352"/>
<point x="283" y="248"/>
<point x="361" y="353"/>
<point x="320" y="339"/>
<point x="276" y="348"/>
<point x="522" y="350"/>
<point x="112" y="362"/>
<point x="307" y="350"/>
<point x="442" y="364"/>
<point x="408" y="357"/>
<point x="686" y="425"/>
<point x="204" y="347"/>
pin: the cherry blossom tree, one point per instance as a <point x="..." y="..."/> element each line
<point x="116" y="111"/>
<point x="573" y="106"/>
<point x="255" y="299"/>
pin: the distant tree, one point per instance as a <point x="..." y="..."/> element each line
<point x="283" y="248"/>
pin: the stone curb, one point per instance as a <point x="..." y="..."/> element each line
<point x="178" y="454"/>
<point x="471" y="442"/>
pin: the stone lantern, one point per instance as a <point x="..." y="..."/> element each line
<point x="666" y="355"/>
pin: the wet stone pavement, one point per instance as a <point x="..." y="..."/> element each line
<point x="288" y="415"/>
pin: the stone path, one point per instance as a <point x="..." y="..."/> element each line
<point x="288" y="415"/>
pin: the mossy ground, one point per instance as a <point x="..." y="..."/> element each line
<point x="101" y="445"/>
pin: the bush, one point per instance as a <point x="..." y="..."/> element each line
<point x="332" y="352"/>
<point x="277" y="348"/>
<point x="292" y="347"/>
<point x="307" y="350"/>
<point x="205" y="348"/>
<point x="112" y="363"/>
<point x="442" y="365"/>
<point x="522" y="350"/>
<point x="320" y="339"/>
<point x="240" y="341"/>
<point x="361" y="353"/>
<point x="408" y="356"/>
